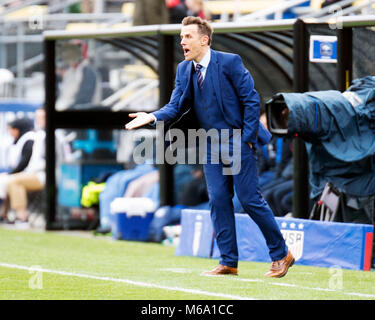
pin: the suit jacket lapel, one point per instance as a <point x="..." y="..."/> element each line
<point x="215" y="77"/>
<point x="188" y="76"/>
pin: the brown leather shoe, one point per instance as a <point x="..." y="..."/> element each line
<point x="280" y="268"/>
<point x="221" y="270"/>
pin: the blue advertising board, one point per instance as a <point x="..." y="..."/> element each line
<point x="314" y="243"/>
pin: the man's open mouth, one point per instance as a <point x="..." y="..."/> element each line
<point x="186" y="51"/>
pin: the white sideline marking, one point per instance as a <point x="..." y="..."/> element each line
<point x="364" y="295"/>
<point x="192" y="291"/>
<point x="131" y="282"/>
<point x="176" y="270"/>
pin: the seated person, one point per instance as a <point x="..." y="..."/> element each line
<point x="32" y="178"/>
<point x="19" y="154"/>
<point x="279" y="191"/>
<point x="80" y="82"/>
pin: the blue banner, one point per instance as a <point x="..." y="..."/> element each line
<point x="314" y="243"/>
<point x="197" y="234"/>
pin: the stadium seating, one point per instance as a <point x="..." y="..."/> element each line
<point x="128" y="8"/>
<point x="26" y="12"/>
<point x="243" y="7"/>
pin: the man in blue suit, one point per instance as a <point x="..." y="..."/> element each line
<point x="218" y="89"/>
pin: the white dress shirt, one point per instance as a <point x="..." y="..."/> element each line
<point x="204" y="63"/>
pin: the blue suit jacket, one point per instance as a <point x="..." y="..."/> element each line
<point x="234" y="88"/>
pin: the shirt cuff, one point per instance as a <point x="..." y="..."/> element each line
<point x="155" y="120"/>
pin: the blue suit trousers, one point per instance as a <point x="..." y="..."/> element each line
<point x="221" y="190"/>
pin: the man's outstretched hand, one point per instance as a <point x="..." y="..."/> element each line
<point x="140" y="119"/>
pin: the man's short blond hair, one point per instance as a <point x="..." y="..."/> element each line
<point x="204" y="27"/>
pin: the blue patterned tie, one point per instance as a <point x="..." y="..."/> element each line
<point x="200" y="80"/>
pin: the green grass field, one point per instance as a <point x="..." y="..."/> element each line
<point x="53" y="265"/>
